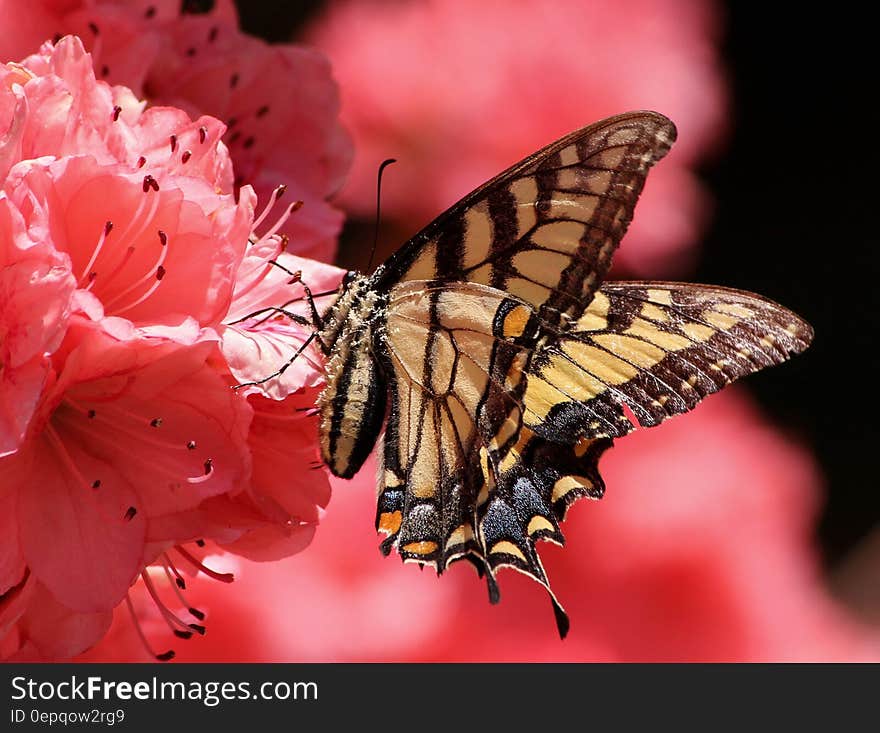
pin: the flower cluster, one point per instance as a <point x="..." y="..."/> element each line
<point x="177" y="54"/>
<point x="137" y="288"/>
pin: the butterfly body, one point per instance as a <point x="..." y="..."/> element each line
<point x="353" y="403"/>
<point x="500" y="364"/>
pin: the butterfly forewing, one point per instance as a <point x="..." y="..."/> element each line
<point x="658" y="348"/>
<point x="545" y="229"/>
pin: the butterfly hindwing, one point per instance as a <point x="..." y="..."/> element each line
<point x="454" y="404"/>
<point x="544" y="230"/>
<point x="462" y="477"/>
<point x="657" y="348"/>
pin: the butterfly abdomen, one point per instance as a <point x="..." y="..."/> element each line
<point x="352" y="404"/>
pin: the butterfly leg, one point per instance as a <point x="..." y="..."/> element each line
<point x="296" y="277"/>
<point x="283" y="368"/>
<point x="274" y="310"/>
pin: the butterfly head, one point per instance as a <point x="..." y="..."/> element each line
<point x="347" y="279"/>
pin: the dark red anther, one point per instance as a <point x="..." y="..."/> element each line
<point x="234" y="136"/>
<point x="130" y="513"/>
<point x="160" y="272"/>
<point x="163" y="238"/>
<point x="182" y="634"/>
<point x="248" y="143"/>
<point x="200" y="543"/>
<point x="187" y="154"/>
<point x="156" y="422"/>
<point x="166" y="656"/>
<point x="191" y="51"/>
<point x="150" y="12"/>
<point x="198" y="628"/>
<point x="91" y="414"/>
<point x="231" y="122"/>
<point x="57" y="37"/>
<point x="108" y="227"/>
<point x="92" y="276"/>
<point x="141" y="162"/>
<point x="212" y="36"/>
<point x="117" y="110"/>
<point x="150" y="182"/>
<point x="233" y="81"/>
<point x="96" y="484"/>
<point x="262" y="111"/>
<point x="209" y="466"/>
<point x="105" y="70"/>
<point x="173" y="140"/>
<point x="93" y="28"/>
<point x="295" y="206"/>
<point x="279" y="190"/>
<point x="203" y="134"/>
<point x="191" y="445"/>
<point x="197" y="613"/>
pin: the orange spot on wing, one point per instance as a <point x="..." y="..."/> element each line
<point x="389" y="522"/>
<point x="420" y="548"/>
<point x="515" y="321"/>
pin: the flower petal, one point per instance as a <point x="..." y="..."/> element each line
<point x="287" y="466"/>
<point x="53" y="631"/>
<point x="81" y="543"/>
<point x="36" y="288"/>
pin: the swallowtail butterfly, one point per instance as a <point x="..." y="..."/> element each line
<point x="500" y="363"/>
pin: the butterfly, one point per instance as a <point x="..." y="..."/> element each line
<point x="494" y="367"/>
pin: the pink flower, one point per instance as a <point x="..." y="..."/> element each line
<point x="36" y="286"/>
<point x="128" y="273"/>
<point x="203" y="64"/>
<point x="130" y="432"/>
<point x="291" y="138"/>
<point x="60" y="109"/>
<point x="458" y="91"/>
<point x="157" y="261"/>
<point x="699" y="551"/>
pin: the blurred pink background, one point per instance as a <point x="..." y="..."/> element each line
<point x="704" y="546"/>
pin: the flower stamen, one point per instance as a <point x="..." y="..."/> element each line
<point x="178" y="584"/>
<point x="154" y="275"/>
<point x="164" y="656"/>
<point x="273" y="199"/>
<point x="87" y="271"/>
<point x="222" y="577"/>
<point x="183" y="630"/>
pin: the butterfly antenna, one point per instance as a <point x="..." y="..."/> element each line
<point x="382" y="167"/>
